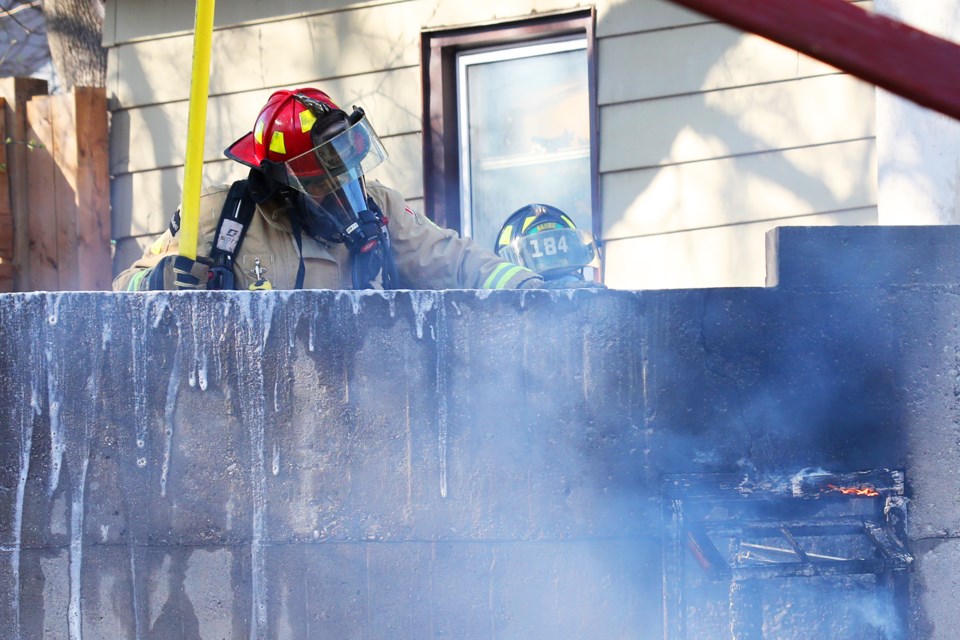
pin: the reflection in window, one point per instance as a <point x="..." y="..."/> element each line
<point x="524" y="123"/>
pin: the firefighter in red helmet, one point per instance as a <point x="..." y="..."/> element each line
<point x="307" y="216"/>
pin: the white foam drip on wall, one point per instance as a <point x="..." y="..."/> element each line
<point x="203" y="333"/>
<point x="354" y="297"/>
<point x="139" y="384"/>
<point x="257" y="310"/>
<point x="422" y="303"/>
<point x="169" y="409"/>
<point x="442" y="396"/>
<point x="483" y="294"/>
<point x="54" y="404"/>
<point x="25" y="430"/>
<point x="136" y="592"/>
<point x="53" y="314"/>
<point x="74" y="613"/>
<point x="159" y="308"/>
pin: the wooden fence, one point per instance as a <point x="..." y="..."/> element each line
<point x="6" y="215"/>
<point x="54" y="189"/>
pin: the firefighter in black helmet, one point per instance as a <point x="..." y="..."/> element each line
<point x="544" y="239"/>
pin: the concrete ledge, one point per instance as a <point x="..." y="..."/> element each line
<point x="832" y="257"/>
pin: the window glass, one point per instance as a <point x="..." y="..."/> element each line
<point x="524" y="126"/>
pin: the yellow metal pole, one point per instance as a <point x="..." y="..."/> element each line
<point x="196" y="129"/>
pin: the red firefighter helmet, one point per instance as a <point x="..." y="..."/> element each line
<point x="305" y="141"/>
<point x="282" y="130"/>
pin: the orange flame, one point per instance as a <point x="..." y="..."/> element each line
<point x="855" y="491"/>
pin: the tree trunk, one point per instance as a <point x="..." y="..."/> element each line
<point x="74" y="33"/>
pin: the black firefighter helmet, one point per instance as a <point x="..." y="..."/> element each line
<point x="544" y="239"/>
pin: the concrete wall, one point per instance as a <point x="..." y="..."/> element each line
<point x="708" y="137"/>
<point x="454" y="464"/>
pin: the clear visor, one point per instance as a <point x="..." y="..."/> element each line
<point x="342" y="206"/>
<point x="337" y="162"/>
<point x="553" y="251"/>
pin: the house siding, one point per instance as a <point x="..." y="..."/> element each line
<point x="707" y="136"/>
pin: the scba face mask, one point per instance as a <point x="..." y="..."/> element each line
<point x="330" y="178"/>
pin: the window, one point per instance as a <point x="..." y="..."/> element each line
<point x="509" y="120"/>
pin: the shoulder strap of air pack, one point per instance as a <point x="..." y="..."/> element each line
<point x="234" y="221"/>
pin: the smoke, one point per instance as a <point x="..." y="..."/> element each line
<point x="463" y="463"/>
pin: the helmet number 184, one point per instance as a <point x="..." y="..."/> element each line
<point x="550" y="246"/>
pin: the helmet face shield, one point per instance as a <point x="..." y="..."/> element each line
<point x="335" y="162"/>
<point x="553" y="251"/>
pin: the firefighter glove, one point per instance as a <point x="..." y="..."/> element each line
<point x="177" y="272"/>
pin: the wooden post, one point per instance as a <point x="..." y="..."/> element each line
<point x="64" y="151"/>
<point x="6" y="216"/>
<point x="68" y="192"/>
<point x="94" y="260"/>
<point x="41" y="260"/>
<point x="16" y="92"/>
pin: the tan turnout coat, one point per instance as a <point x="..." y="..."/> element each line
<point x="427" y="256"/>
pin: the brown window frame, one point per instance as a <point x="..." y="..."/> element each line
<point x="441" y="152"/>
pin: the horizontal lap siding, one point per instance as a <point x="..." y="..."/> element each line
<point x="133" y="20"/>
<point x="152" y="136"/>
<point x="700" y="125"/>
<point x="711" y="136"/>
<point x="728" y="256"/>
<point x="743" y="120"/>
<point x="763" y="186"/>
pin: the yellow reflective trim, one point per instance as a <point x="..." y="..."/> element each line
<point x="258" y="131"/>
<point x="276" y="143"/>
<point x="505" y="235"/>
<point x="134" y="284"/>
<point x="488" y="283"/>
<point x="306" y="120"/>
<point x="526" y="223"/>
<point x="568" y="221"/>
<point x="507" y="275"/>
<point x="158" y="246"/>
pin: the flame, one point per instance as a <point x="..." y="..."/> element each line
<point x="855" y="491"/>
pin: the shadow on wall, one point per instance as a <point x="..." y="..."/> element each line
<point x="916" y="185"/>
<point x="709" y="137"/>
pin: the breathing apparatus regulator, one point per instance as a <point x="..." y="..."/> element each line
<point x="318" y="155"/>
